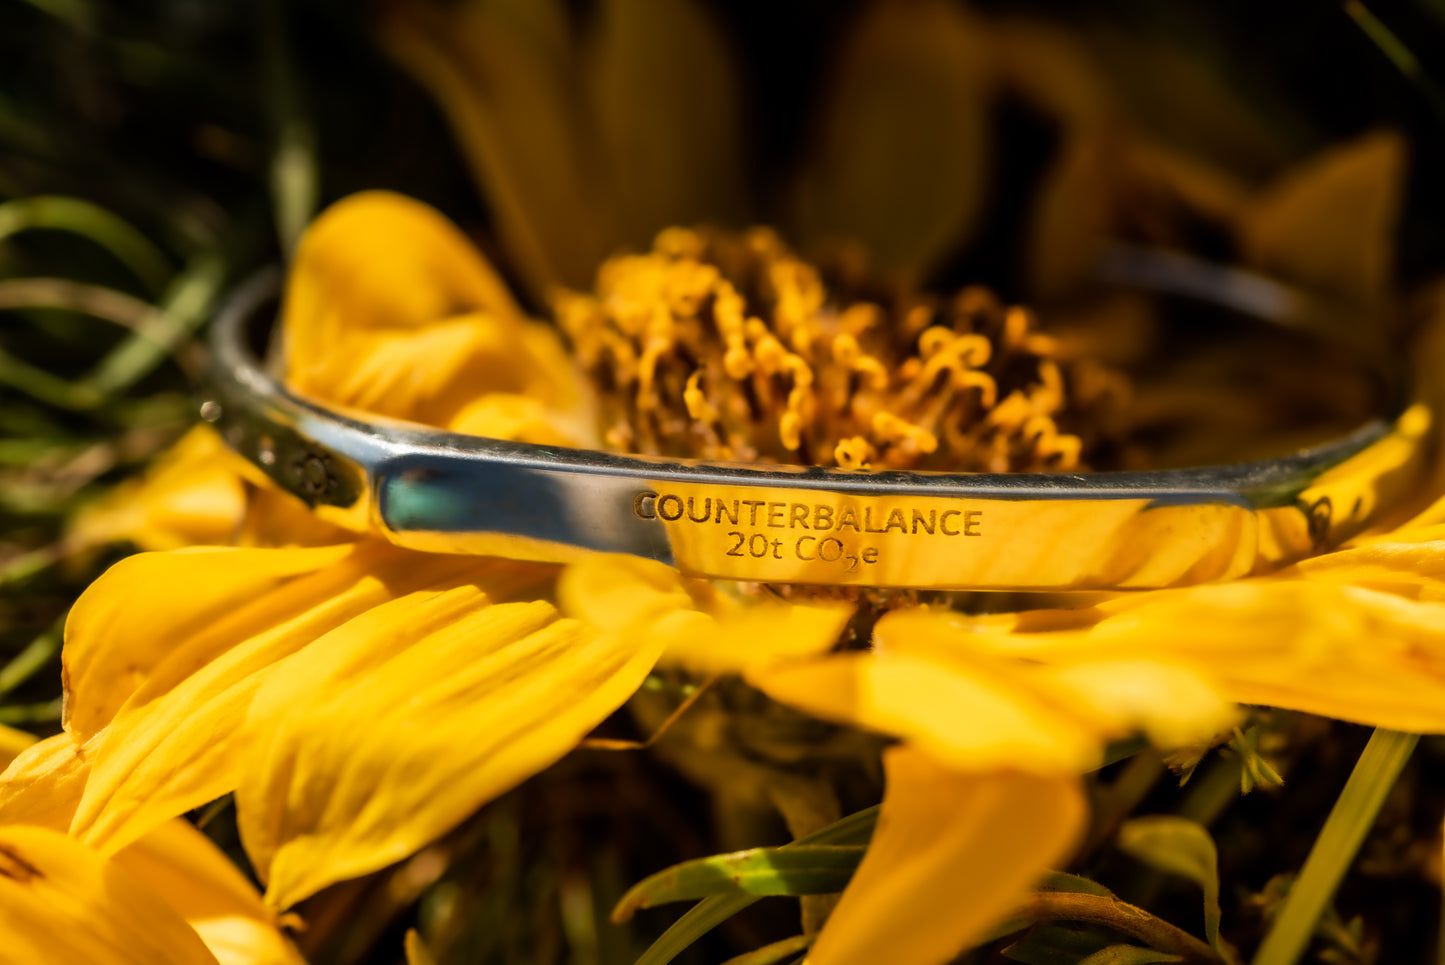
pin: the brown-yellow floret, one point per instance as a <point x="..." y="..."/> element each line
<point x="727" y="346"/>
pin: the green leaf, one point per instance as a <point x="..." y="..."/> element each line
<point x="1077" y="884"/>
<point x="1052" y="944"/>
<point x="1181" y="847"/>
<point x="789" y="870"/>
<point x="700" y="919"/>
<point x="707" y="914"/>
<point x="1054" y="881"/>
<point x="1128" y="955"/>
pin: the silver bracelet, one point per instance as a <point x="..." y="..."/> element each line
<point x="445" y="492"/>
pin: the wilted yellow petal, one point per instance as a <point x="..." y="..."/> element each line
<point x="183" y="866"/>
<point x="665" y="96"/>
<point x="1102" y="182"/>
<point x="109" y="651"/>
<point x="1052" y="68"/>
<point x="178" y="741"/>
<point x="62" y="902"/>
<point x="373" y="748"/>
<point x="192" y="495"/>
<point x="650" y="601"/>
<point x="505" y="73"/>
<point x="1073" y="214"/>
<point x="43" y="784"/>
<point x="1169" y="82"/>
<point x="416" y="951"/>
<point x="1330" y="224"/>
<point x="953" y="853"/>
<point x="901" y="157"/>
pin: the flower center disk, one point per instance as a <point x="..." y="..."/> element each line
<point x="728" y="347"/>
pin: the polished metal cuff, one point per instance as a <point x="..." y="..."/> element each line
<point x="444" y="492"/>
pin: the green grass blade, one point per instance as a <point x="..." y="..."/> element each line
<point x="117" y="236"/>
<point x="28" y="662"/>
<point x="707" y="914"/>
<point x="821" y="869"/>
<point x="184" y="309"/>
<point x="1334" y="850"/>
<point x="773" y="953"/>
<point x="294" y="177"/>
<point x="45" y="387"/>
<point x="1398" y="53"/>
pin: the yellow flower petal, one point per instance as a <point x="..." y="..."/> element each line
<point x="43" y="784"/>
<point x="275" y="518"/>
<point x="12" y="743"/>
<point x="62" y="902"/>
<point x="390" y="309"/>
<point x="109" y="652"/>
<point x="181" y="865"/>
<point x="902" y="151"/>
<point x="500" y="415"/>
<point x="954" y="688"/>
<point x="953" y="853"/>
<point x="1330" y="224"/>
<point x="618" y="592"/>
<point x="382" y="261"/>
<point x="192" y="495"/>
<point x="965" y="718"/>
<point x="1406" y="563"/>
<point x="416" y="951"/>
<point x="759" y="635"/>
<point x="1339" y="651"/>
<point x="1173" y="705"/>
<point x="178" y="740"/>
<point x="650" y="601"/>
<point x="371" y="748"/>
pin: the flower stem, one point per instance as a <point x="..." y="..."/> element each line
<point x="1334" y="850"/>
<point x="1124" y="918"/>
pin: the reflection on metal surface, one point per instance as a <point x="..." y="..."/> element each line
<point x="444" y="492"/>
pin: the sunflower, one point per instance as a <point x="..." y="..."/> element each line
<point x="361" y="700"/>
